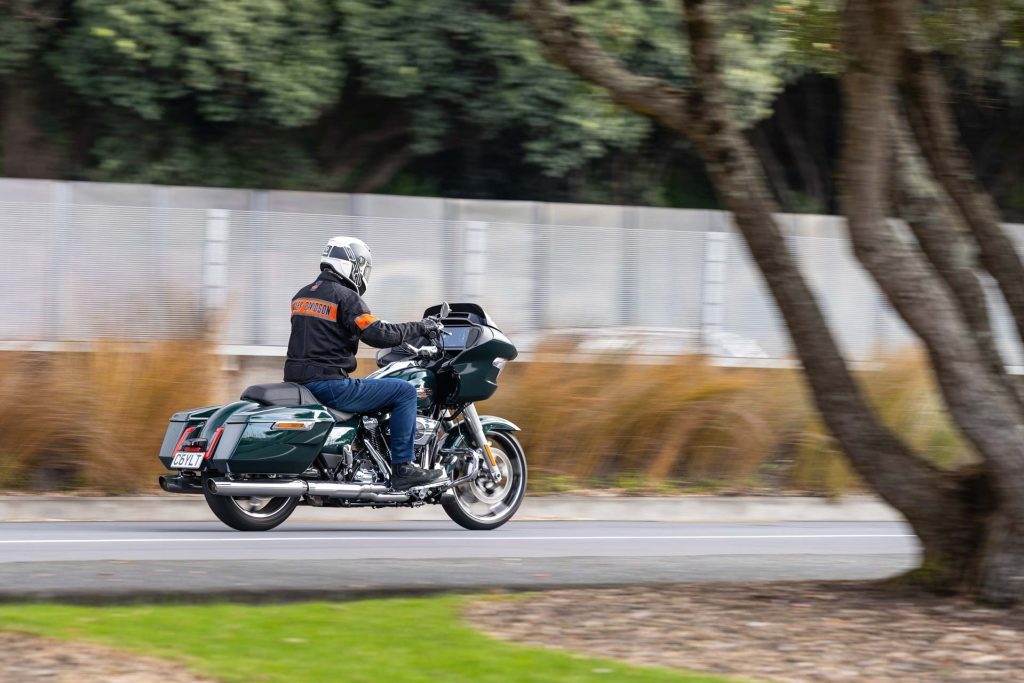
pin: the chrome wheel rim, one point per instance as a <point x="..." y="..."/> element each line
<point x="486" y="501"/>
<point x="259" y="507"/>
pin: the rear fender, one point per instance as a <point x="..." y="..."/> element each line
<point x="195" y="418"/>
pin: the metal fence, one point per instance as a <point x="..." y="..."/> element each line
<point x="85" y="261"/>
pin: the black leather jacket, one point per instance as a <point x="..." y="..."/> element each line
<point x="329" y="319"/>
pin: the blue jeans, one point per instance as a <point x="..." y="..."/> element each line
<point x="367" y="395"/>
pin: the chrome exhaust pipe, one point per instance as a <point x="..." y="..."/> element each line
<point x="346" y="491"/>
<point x="252" y="487"/>
<point x="396" y="497"/>
<point x="373" y="493"/>
<point x="294" y="488"/>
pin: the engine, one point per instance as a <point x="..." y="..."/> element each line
<point x="426" y="430"/>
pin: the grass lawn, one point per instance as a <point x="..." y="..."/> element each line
<point x="417" y="639"/>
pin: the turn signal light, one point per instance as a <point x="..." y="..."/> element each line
<point x="292" y="425"/>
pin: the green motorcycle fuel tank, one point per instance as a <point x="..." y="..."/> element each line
<point x="420" y="377"/>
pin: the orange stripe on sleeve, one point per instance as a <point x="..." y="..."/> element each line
<point x="365" y="320"/>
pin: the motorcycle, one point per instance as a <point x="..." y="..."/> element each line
<point x="256" y="459"/>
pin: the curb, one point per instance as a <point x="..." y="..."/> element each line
<point x="698" y="509"/>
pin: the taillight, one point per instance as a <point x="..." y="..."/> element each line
<point x="184" y="435"/>
<point x="213" y="443"/>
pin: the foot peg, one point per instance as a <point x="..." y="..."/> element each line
<point x="425" y="490"/>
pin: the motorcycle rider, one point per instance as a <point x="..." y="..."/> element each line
<point x="329" y="319"/>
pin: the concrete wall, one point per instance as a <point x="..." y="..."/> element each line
<point x="88" y="260"/>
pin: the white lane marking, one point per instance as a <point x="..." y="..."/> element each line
<point x="273" y="538"/>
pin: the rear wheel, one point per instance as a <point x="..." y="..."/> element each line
<point x="251" y="513"/>
<point x="482" y="505"/>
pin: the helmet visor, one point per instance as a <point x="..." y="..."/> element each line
<point x="341" y="253"/>
<point x="361" y="260"/>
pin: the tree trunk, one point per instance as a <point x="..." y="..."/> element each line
<point x="810" y="174"/>
<point x="948" y="244"/>
<point x="942" y="508"/>
<point x="980" y="404"/>
<point x="932" y="122"/>
<point x="775" y="172"/>
<point x="26" y="151"/>
<point x="938" y="505"/>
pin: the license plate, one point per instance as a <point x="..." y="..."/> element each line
<point x="187" y="461"/>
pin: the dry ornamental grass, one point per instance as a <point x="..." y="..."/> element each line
<point x="94" y="421"/>
<point x="691" y="426"/>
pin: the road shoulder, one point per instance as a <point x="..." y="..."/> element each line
<point x="187" y="508"/>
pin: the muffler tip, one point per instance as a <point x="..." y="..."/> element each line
<point x="163" y="482"/>
<point x="211" y="486"/>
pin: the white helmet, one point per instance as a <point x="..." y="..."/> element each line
<point x="350" y="258"/>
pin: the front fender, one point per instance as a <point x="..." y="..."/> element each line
<point x="459" y="437"/>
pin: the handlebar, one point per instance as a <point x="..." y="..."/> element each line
<point x="431" y="351"/>
<point x="421" y="351"/>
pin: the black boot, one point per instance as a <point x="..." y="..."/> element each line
<point x="407" y="476"/>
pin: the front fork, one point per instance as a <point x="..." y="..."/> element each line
<point x="472" y="419"/>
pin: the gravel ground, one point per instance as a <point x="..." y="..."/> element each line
<point x="28" y="659"/>
<point x="793" y="632"/>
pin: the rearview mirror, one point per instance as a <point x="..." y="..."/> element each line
<point x="445" y="309"/>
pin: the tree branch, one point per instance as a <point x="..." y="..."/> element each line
<point x="385" y="170"/>
<point x="775" y="172"/>
<point x="566" y="43"/>
<point x="932" y="124"/>
<point x="947" y="242"/>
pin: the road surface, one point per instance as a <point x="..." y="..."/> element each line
<point x="169" y="560"/>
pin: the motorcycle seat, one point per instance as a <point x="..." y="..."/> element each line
<point x="288" y="394"/>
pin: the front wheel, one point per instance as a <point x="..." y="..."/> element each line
<point x="251" y="513"/>
<point x="481" y="505"/>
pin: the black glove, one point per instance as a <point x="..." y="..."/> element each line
<point x="431" y="328"/>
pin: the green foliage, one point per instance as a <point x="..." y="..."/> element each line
<point x="370" y="640"/>
<point x="458" y="64"/>
<point x="128" y="149"/>
<point x="985" y="37"/>
<point x="810" y="30"/>
<point x="279" y="93"/>
<point x="235" y="92"/>
<point x="23" y="29"/>
<point x="261" y="61"/>
<point x="647" y="37"/>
